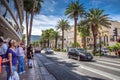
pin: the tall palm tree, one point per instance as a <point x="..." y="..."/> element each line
<point x="96" y="19"/>
<point x="74" y="10"/>
<point x="35" y="10"/>
<point x="63" y="25"/>
<point x="27" y="7"/>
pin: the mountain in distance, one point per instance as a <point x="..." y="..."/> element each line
<point x="35" y="38"/>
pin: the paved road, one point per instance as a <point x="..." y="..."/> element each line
<point x="63" y="68"/>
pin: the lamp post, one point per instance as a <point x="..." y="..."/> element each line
<point x="100" y="43"/>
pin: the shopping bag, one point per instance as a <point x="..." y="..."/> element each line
<point x="15" y="76"/>
<point x="0" y="64"/>
<point x="30" y="63"/>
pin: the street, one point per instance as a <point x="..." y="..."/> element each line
<point x="63" y="68"/>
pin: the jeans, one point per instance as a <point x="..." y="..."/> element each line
<point x="8" y="70"/>
<point x="20" y="64"/>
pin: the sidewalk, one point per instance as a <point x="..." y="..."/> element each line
<point x="30" y="74"/>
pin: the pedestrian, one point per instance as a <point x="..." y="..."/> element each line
<point x="11" y="55"/>
<point x="30" y="56"/>
<point x="2" y="56"/>
<point x="21" y="56"/>
<point x="4" y="48"/>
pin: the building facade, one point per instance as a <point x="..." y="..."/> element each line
<point x="106" y="35"/>
<point x="11" y="19"/>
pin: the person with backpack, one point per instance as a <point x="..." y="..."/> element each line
<point x="30" y="56"/>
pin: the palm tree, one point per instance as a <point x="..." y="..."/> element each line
<point x="84" y="32"/>
<point x="56" y="36"/>
<point x="96" y="19"/>
<point x="27" y="7"/>
<point x="35" y="10"/>
<point x="74" y="10"/>
<point x="63" y="25"/>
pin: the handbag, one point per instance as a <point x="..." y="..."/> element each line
<point x="15" y="76"/>
<point x="0" y="64"/>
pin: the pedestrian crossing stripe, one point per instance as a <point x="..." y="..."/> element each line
<point x="108" y="63"/>
<point x="104" y="66"/>
<point x="105" y="74"/>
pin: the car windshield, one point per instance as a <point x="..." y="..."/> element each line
<point x="49" y="49"/>
<point x="105" y="48"/>
<point x="81" y="50"/>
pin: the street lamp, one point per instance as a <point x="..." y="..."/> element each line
<point x="100" y="43"/>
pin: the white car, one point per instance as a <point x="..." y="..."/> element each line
<point x="49" y="51"/>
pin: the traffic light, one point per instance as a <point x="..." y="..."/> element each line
<point x="115" y="32"/>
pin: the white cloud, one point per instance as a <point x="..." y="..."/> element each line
<point x="115" y="17"/>
<point x="42" y="22"/>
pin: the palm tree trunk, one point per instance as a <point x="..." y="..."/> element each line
<point x="27" y="27"/>
<point x="48" y="42"/>
<point x="30" y="30"/>
<point x="84" y="38"/>
<point x="62" y="39"/>
<point x="75" y="33"/>
<point x="56" y="39"/>
<point x="94" y="43"/>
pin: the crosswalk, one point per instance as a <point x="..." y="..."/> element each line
<point x="104" y="67"/>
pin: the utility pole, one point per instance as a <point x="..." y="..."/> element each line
<point x="115" y="31"/>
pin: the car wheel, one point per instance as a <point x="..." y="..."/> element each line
<point x="69" y="56"/>
<point x="78" y="58"/>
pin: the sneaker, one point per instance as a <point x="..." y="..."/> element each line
<point x="23" y="71"/>
<point x="20" y="73"/>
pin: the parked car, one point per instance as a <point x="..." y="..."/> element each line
<point x="103" y="50"/>
<point x="79" y="54"/>
<point x="49" y="51"/>
<point x="37" y="50"/>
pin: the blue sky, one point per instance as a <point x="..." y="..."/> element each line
<point x="53" y="10"/>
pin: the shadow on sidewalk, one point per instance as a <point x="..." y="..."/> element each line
<point x="30" y="73"/>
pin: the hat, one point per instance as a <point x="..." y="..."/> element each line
<point x="1" y="40"/>
<point x="21" y="43"/>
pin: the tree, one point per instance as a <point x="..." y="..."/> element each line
<point x="63" y="25"/>
<point x="27" y="7"/>
<point x="35" y="10"/>
<point x="96" y="19"/>
<point x="56" y="36"/>
<point x="47" y="35"/>
<point x="74" y="10"/>
<point x="84" y="32"/>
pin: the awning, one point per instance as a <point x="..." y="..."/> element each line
<point x="7" y="30"/>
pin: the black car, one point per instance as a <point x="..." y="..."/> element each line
<point x="79" y="54"/>
<point x="37" y="50"/>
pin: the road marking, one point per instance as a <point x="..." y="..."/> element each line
<point x="104" y="66"/>
<point x="109" y="60"/>
<point x="48" y="63"/>
<point x="108" y="63"/>
<point x="105" y="74"/>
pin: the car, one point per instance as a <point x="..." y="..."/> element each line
<point x="49" y="51"/>
<point x="103" y="50"/>
<point x="37" y="50"/>
<point x="79" y="54"/>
